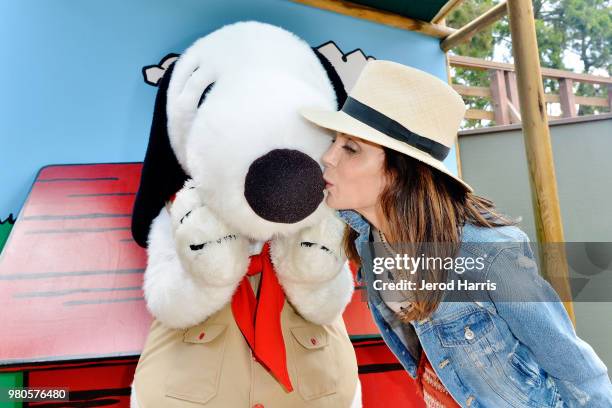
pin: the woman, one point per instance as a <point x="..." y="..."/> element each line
<point x="384" y="171"/>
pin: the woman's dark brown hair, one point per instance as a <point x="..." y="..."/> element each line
<point x="423" y="205"/>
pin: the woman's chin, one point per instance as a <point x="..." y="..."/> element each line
<point x="331" y="202"/>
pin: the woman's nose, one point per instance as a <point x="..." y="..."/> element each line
<point x="329" y="158"/>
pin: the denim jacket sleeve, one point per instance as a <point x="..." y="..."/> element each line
<point x="545" y="328"/>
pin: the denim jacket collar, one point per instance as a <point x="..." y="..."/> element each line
<point x="355" y="221"/>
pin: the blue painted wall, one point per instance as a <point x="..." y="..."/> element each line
<point x="71" y="83"/>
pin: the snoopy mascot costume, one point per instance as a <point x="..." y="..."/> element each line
<point x="246" y="276"/>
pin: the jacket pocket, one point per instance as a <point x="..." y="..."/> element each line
<point x="465" y="329"/>
<point x="315" y="363"/>
<point x="529" y="372"/>
<point x="529" y="381"/>
<point x="197" y="367"/>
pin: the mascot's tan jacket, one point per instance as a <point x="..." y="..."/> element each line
<point x="232" y="167"/>
<point x="211" y="364"/>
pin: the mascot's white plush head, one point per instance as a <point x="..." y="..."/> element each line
<point x="227" y="116"/>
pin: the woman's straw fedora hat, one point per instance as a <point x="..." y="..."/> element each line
<point x="402" y="108"/>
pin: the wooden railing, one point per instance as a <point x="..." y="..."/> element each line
<point x="503" y="94"/>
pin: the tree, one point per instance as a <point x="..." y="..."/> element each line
<point x="583" y="27"/>
<point x="589" y="34"/>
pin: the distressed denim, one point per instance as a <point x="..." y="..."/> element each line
<point x="494" y="353"/>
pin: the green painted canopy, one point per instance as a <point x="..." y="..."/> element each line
<point x="424" y="10"/>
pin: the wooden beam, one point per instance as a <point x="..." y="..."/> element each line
<point x="580" y="100"/>
<point x="379" y="16"/>
<point x="512" y="93"/>
<point x="467" y="31"/>
<point x="445" y="11"/>
<point x="552" y="98"/>
<point x="480" y="91"/>
<point x="477" y="63"/>
<point x="479" y="114"/>
<point x="499" y="97"/>
<point x="566" y="92"/>
<point x="490" y="115"/>
<point x="538" y="148"/>
<point x="515" y="114"/>
<point x="590" y="101"/>
<point x="492" y="130"/>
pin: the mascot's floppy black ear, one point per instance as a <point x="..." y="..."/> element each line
<point x="162" y="175"/>
<point x="334" y="78"/>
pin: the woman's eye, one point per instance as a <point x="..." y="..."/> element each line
<point x="349" y="149"/>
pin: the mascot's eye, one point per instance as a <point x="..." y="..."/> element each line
<point x="203" y="96"/>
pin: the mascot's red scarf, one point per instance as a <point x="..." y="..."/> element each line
<point x="259" y="319"/>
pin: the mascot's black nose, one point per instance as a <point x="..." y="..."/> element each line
<point x="284" y="186"/>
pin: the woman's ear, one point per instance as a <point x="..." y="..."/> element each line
<point x="162" y="175"/>
<point x="334" y="78"/>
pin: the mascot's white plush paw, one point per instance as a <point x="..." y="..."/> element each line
<point x="311" y="268"/>
<point x="313" y="255"/>
<point x="206" y="247"/>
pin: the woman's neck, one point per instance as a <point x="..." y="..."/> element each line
<point x="374" y="215"/>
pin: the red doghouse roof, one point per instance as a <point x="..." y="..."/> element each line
<point x="71" y="275"/>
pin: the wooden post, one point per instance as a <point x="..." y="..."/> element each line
<point x="449" y="80"/>
<point x="566" y="93"/>
<point x="538" y="148"/>
<point x="499" y="97"/>
<point x="513" y="97"/>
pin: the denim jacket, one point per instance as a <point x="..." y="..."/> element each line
<point x="493" y="353"/>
